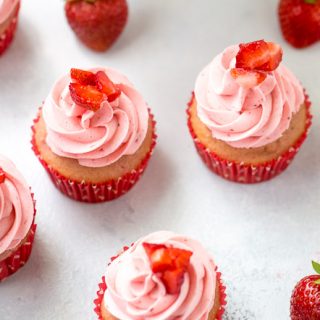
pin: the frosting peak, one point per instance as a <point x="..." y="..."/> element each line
<point x="134" y="292"/>
<point x="96" y="139"/>
<point x="16" y="207"/>
<point x="246" y="117"/>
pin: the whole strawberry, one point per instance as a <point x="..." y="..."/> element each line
<point x="305" y="299"/>
<point x="97" y="23"/>
<point x="300" y="21"/>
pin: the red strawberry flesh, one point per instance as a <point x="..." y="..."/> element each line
<point x="248" y="79"/>
<point x="83" y="77"/>
<point x="259" y="56"/>
<point x="106" y="86"/>
<point x="86" y="96"/>
<point x="2" y="176"/>
<point x="170" y="263"/>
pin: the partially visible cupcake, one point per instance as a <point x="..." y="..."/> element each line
<point x="17" y="225"/>
<point x="161" y="276"/>
<point x="9" y="10"/>
<point x="249" y="114"/>
<point x="94" y="135"/>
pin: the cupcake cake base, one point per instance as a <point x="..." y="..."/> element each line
<point x="249" y="165"/>
<point x="92" y="184"/>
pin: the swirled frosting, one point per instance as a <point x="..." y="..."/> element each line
<point x="6" y="8"/>
<point x="246" y="118"/>
<point x="136" y="293"/>
<point x="16" y="207"/>
<point x="100" y="138"/>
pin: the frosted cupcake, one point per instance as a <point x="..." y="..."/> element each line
<point x="94" y="135"/>
<point x="17" y="226"/>
<point x="163" y="276"/>
<point x="9" y="10"/>
<point x="249" y="115"/>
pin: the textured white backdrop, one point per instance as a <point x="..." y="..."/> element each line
<point x="262" y="236"/>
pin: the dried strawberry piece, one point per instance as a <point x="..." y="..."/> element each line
<point x="2" y="176"/>
<point x="83" y="77"/>
<point x="248" y="79"/>
<point x="259" y="56"/>
<point x="86" y="96"/>
<point x="171" y="264"/>
<point x="105" y="85"/>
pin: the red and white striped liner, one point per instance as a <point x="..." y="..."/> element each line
<point x="100" y="192"/>
<point x="7" y="36"/>
<point x="103" y="287"/>
<point x="21" y="255"/>
<point x="244" y="173"/>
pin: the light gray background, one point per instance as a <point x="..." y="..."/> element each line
<point x="262" y="236"/>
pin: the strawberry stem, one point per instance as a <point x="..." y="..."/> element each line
<point x="316" y="266"/>
<point x="311" y="1"/>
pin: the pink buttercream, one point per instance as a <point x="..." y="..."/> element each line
<point x="136" y="293"/>
<point x="96" y="139"/>
<point x="16" y="207"/>
<point x="6" y="9"/>
<point x="246" y="118"/>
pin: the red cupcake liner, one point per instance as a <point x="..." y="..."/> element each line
<point x="103" y="287"/>
<point x="99" y="192"/>
<point x="21" y="255"/>
<point x="244" y="173"/>
<point x="7" y="36"/>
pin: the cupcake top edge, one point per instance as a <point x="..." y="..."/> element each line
<point x="95" y="116"/>
<point x="16" y="206"/>
<point x="246" y="96"/>
<point x="6" y="9"/>
<point x="161" y="276"/>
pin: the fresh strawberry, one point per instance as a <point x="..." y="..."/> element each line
<point x="83" y="77"/>
<point x="305" y="299"/>
<point x="300" y="21"/>
<point x="173" y="280"/>
<point x="106" y="86"/>
<point x="259" y="56"/>
<point x="2" y="176"/>
<point x="86" y="96"/>
<point x="248" y="79"/>
<point x="171" y="264"/>
<point x="97" y="23"/>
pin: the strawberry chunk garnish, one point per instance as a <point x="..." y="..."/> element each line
<point x="2" y="176"/>
<point x="106" y="86"/>
<point x="170" y="263"/>
<point x="248" y="79"/>
<point x="259" y="56"/>
<point x="83" y="77"/>
<point x="86" y="96"/>
<point x="173" y="280"/>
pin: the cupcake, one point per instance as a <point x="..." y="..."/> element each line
<point x="94" y="135"/>
<point x="163" y="276"/>
<point x="9" y="10"/>
<point x="17" y="214"/>
<point x="249" y="114"/>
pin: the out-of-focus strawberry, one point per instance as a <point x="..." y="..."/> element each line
<point x="300" y="21"/>
<point x="97" y="23"/>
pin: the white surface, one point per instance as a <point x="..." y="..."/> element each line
<point x="262" y="236"/>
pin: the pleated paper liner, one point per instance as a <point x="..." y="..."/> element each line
<point x="244" y="173"/>
<point x="21" y="255"/>
<point x="103" y="287"/>
<point x="100" y="192"/>
<point x="8" y="35"/>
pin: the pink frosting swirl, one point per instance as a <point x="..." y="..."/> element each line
<point x="136" y="293"/>
<point x="246" y="118"/>
<point x="16" y="207"/>
<point x="6" y="8"/>
<point x="96" y="139"/>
